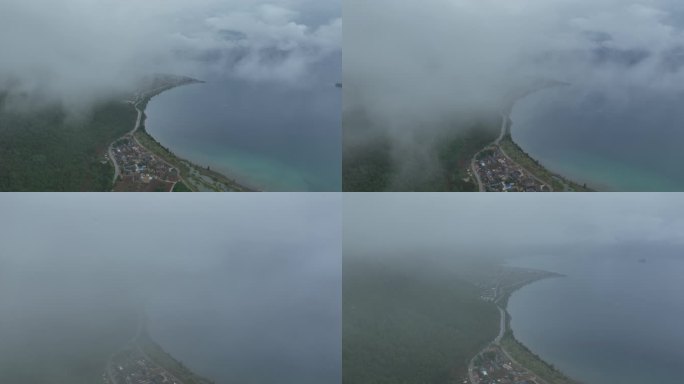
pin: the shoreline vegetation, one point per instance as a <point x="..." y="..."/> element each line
<point x="520" y="353"/>
<point x="503" y="166"/>
<point x="165" y="360"/>
<point x="558" y="182"/>
<point x="533" y="362"/>
<point x="189" y="177"/>
<point x="143" y="360"/>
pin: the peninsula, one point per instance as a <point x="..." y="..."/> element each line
<point x="141" y="360"/>
<point x="502" y="166"/>
<point x="142" y="164"/>
<point x="505" y="359"/>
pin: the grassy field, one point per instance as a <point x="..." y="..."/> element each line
<point x="556" y="181"/>
<point x="47" y="150"/>
<point x="409" y="323"/>
<point x="533" y="362"/>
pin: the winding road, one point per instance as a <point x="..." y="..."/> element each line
<point x="496" y="143"/>
<point x="473" y="161"/>
<point x="117" y="171"/>
<point x="136" y="104"/>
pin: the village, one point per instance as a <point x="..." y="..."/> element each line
<point x="133" y="367"/>
<point x="499" y="173"/>
<point x="141" y="171"/>
<point x="492" y="366"/>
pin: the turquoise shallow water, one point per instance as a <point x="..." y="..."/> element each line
<point x="615" y="142"/>
<point x="271" y="136"/>
<point x="613" y="319"/>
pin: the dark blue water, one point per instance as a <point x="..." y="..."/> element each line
<point x="269" y="135"/>
<point x="623" y="140"/>
<point x="613" y="319"/>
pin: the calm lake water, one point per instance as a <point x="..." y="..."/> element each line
<point x="268" y="135"/>
<point x="613" y="319"/>
<point x="627" y="140"/>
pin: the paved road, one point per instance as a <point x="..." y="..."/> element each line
<point x="131" y="134"/>
<point x="471" y="369"/>
<point x="117" y="171"/>
<point x="473" y="161"/>
<point x="473" y="169"/>
<point x="504" y="122"/>
<point x="502" y="326"/>
<point x="113" y="160"/>
<point x="526" y="170"/>
<point x="136" y="103"/>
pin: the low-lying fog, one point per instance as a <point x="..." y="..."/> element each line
<point x="239" y="288"/>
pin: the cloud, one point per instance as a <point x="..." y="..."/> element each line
<point x="410" y="66"/>
<point x="507" y="224"/>
<point x="74" y="49"/>
<point x="268" y="43"/>
<point x="73" y="267"/>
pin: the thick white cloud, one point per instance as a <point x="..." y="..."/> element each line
<point x="72" y="48"/>
<point x="411" y="63"/>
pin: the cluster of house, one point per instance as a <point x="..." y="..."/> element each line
<point x="490" y="294"/>
<point x="131" y="367"/>
<point x="139" y="165"/>
<point x="493" y="367"/>
<point x="500" y="174"/>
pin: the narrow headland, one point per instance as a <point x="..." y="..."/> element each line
<point x="506" y="360"/>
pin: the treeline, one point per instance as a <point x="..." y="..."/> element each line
<point x="46" y="150"/>
<point x="409" y="324"/>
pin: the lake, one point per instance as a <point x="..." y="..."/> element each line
<point x="623" y="140"/>
<point x="613" y="319"/>
<point x="268" y="135"/>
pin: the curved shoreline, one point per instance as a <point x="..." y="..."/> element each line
<point x="518" y="160"/>
<point x="509" y="338"/>
<point x="563" y="179"/>
<point x="142" y="356"/>
<point x="505" y="340"/>
<point x="191" y="176"/>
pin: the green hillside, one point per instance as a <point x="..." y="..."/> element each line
<point x="45" y="150"/>
<point x="408" y="323"/>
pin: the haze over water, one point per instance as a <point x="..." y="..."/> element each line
<point x="269" y="135"/>
<point x="241" y="288"/>
<point x="630" y="142"/>
<point x="613" y="319"/>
